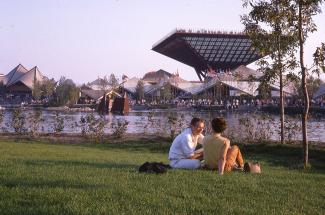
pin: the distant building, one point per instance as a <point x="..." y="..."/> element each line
<point x="320" y="93"/>
<point x="208" y="51"/>
<point x="241" y="81"/>
<point x="156" y="77"/>
<point x="220" y="60"/>
<point x="19" y="82"/>
<point x="94" y="91"/>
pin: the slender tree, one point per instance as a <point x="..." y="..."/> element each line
<point x="37" y="90"/>
<point x="104" y="84"/>
<point x="269" y="25"/>
<point x="113" y="81"/>
<point x="166" y="91"/>
<point x="305" y="10"/>
<point x="139" y="90"/>
<point x="319" y="59"/>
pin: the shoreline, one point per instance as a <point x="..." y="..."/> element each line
<point x="67" y="138"/>
<point x="289" y="110"/>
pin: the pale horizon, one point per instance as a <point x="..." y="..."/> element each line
<point x="83" y="40"/>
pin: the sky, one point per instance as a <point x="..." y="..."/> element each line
<point x="83" y="40"/>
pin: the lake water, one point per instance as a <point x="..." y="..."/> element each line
<point x="152" y="122"/>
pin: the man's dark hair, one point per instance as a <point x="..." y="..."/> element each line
<point x="195" y="121"/>
<point x="218" y="124"/>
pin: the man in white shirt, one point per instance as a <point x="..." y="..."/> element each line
<point x="182" y="154"/>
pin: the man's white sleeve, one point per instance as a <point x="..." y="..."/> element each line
<point x="188" y="146"/>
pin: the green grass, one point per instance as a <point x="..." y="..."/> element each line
<point x="42" y="178"/>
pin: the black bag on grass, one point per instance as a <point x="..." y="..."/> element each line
<point x="154" y="167"/>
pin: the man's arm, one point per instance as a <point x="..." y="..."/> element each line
<point x="189" y="148"/>
<point x="222" y="159"/>
<point x="197" y="155"/>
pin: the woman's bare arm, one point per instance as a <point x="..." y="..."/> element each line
<point x="222" y="159"/>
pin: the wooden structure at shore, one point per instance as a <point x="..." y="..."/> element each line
<point x="118" y="105"/>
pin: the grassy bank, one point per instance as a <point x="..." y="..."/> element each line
<point x="39" y="178"/>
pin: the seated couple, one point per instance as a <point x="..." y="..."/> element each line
<point x="217" y="152"/>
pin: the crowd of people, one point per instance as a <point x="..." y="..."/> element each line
<point x="233" y="103"/>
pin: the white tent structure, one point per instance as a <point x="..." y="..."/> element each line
<point x="20" y="81"/>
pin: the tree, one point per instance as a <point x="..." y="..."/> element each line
<point x="298" y="23"/>
<point x="48" y="87"/>
<point x="166" y="92"/>
<point x="269" y="25"/>
<point x="113" y="81"/>
<point x="264" y="90"/>
<point x="139" y="91"/>
<point x="104" y="84"/>
<point x="304" y="12"/>
<point x="67" y="92"/>
<point x="319" y="59"/>
<point x="313" y="84"/>
<point x="37" y="90"/>
<point x="43" y="89"/>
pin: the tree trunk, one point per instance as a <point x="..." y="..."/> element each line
<point x="280" y="68"/>
<point x="305" y="90"/>
<point x="282" y="109"/>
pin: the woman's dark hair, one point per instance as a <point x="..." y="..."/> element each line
<point x="195" y="121"/>
<point x="218" y="125"/>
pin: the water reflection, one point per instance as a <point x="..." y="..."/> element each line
<point x="156" y="122"/>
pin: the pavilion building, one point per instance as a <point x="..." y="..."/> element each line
<point x="208" y="51"/>
<point x="220" y="61"/>
<point x="19" y="82"/>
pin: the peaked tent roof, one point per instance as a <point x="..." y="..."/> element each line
<point x="32" y="75"/>
<point x="245" y="73"/>
<point x="98" y="81"/>
<point x="288" y="86"/>
<point x="157" y="74"/>
<point x="190" y="87"/>
<point x="131" y="85"/>
<point x="248" y="87"/>
<point x="21" y="74"/>
<point x="176" y="79"/>
<point x="98" y="94"/>
<point x="14" y="74"/>
<point x="94" y="94"/>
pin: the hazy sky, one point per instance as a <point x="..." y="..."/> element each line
<point x="86" y="39"/>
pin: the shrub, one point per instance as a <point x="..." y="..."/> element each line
<point x="58" y="125"/>
<point x="18" y="121"/>
<point x="92" y="127"/>
<point x="120" y="128"/>
<point x="34" y="118"/>
<point x="172" y="122"/>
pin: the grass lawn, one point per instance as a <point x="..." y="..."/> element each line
<point x="43" y="178"/>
